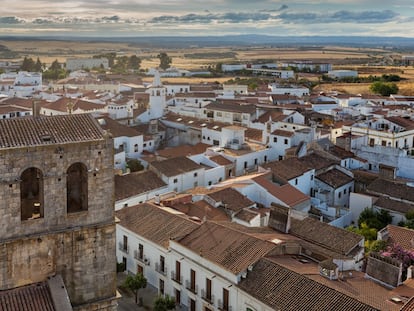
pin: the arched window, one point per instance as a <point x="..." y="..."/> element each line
<point x="77" y="188"/>
<point x="31" y="194"/>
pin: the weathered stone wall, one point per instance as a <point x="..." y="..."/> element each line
<point x="85" y="257"/>
<point x="384" y="269"/>
<point x="54" y="161"/>
<point x="79" y="246"/>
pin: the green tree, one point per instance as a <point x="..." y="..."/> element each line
<point x="38" y="65"/>
<point x="28" y="64"/>
<point x="134" y="165"/>
<point x="384" y="88"/>
<point x="110" y="56"/>
<point x="164" y="303"/>
<point x="374" y="219"/>
<point x="134" y="62"/>
<point x="165" y="60"/>
<point x="135" y="283"/>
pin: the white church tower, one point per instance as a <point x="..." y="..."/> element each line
<point x="157" y="99"/>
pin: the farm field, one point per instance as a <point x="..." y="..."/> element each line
<point x="367" y="61"/>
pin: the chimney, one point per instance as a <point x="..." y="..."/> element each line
<point x="34" y="108"/>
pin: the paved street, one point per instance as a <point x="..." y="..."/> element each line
<point x="127" y="302"/>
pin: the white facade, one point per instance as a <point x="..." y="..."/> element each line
<point x="343" y="74"/>
<point x="293" y="90"/>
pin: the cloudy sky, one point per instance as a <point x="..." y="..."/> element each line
<point x="207" y="17"/>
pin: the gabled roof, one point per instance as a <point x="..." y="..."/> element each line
<point x="117" y="129"/>
<point x="136" y="183"/>
<point x="285" y="193"/>
<point x="334" y="178"/>
<point x="394" y="205"/>
<point x="228" y="248"/>
<point x="402" y="236"/>
<point x="232" y="107"/>
<point x="406" y="123"/>
<point x="220" y="160"/>
<point x="317" y="161"/>
<point x="39" y="131"/>
<point x="34" y="297"/>
<point x="336" y="239"/>
<point x="175" y="166"/>
<point x="391" y="188"/>
<point x="182" y="150"/>
<point x="282" y="289"/>
<point x="283" y="133"/>
<point x="231" y="199"/>
<point x="155" y="223"/>
<point x="287" y="169"/>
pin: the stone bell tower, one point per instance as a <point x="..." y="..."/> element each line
<point x="57" y="207"/>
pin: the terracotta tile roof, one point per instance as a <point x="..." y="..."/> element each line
<point x="246" y="214"/>
<point x="136" y="183"/>
<point x="392" y="188"/>
<point x="38" y="131"/>
<point x="406" y="123"/>
<point x="231" y="199"/>
<point x="182" y="150"/>
<point x="285" y="193"/>
<point x="402" y="236"/>
<point x="253" y="134"/>
<point x="12" y="108"/>
<point x="62" y="105"/>
<point x="232" y="107"/>
<point x="283" y="133"/>
<point x="317" y="161"/>
<point x="228" y="248"/>
<point x="220" y="160"/>
<point x="175" y="166"/>
<point x="287" y="169"/>
<point x="394" y="205"/>
<point x="340" y="152"/>
<point x="202" y="210"/>
<point x="409" y="305"/>
<point x="35" y="297"/>
<point x="117" y="129"/>
<point x="336" y="239"/>
<point x="334" y="178"/>
<point x="154" y="223"/>
<point x="17" y="101"/>
<point x="274" y="115"/>
<point x="282" y="289"/>
<point x="364" y="177"/>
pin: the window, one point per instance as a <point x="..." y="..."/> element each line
<point x="195" y="184"/>
<point x="296" y="181"/>
<point x="265" y="159"/>
<point x="208" y="289"/>
<point x="311" y="177"/>
<point x="192" y="305"/>
<point x="175" y="180"/>
<point x="177" y="276"/>
<point x="255" y="161"/>
<point x="344" y="191"/>
<point x="136" y="148"/>
<point x="192" y="280"/>
<point x="275" y="139"/>
<point x="245" y="164"/>
<point x="145" y="144"/>
<point x="31" y="194"/>
<point x="195" y="174"/>
<point x="219" y="114"/>
<point x="177" y="297"/>
<point x="77" y="188"/>
<point x="125" y="243"/>
<point x="140" y="269"/>
<point x="140" y="251"/>
<point x="225" y="299"/>
<point x="216" y="142"/>
<point x="339" y="195"/>
<point x="161" y="287"/>
<point x="286" y="141"/>
<point x="162" y="263"/>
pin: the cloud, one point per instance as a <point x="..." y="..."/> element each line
<point x="236" y="17"/>
<point x="11" y="20"/>
<point x="342" y="16"/>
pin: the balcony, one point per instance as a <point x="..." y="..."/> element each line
<point x="206" y="296"/>
<point x="162" y="269"/>
<point x="191" y="287"/>
<point x="123" y="247"/>
<point x="222" y="307"/>
<point x="141" y="258"/>
<point x="176" y="278"/>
